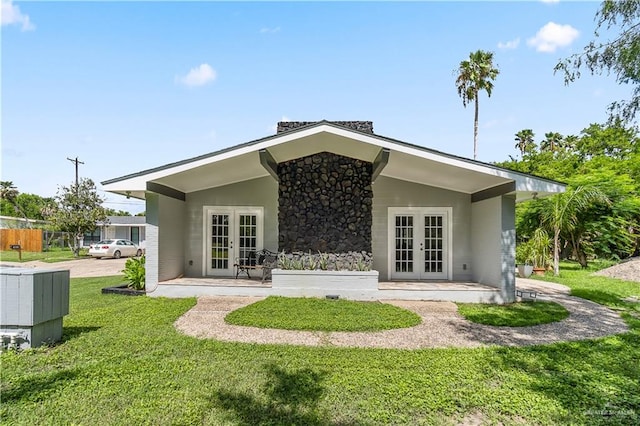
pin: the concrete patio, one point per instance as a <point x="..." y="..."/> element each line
<point x="387" y="290"/>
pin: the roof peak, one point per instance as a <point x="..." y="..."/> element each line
<point x="360" y="126"/>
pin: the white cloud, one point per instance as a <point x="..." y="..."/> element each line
<point x="198" y="76"/>
<point x="11" y="15"/>
<point x="267" y="30"/>
<point x="552" y="36"/>
<point x="550" y="1"/>
<point x="511" y="44"/>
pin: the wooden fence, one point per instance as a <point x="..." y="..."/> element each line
<point x="29" y="239"/>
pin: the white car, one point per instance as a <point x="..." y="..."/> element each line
<point x="115" y="248"/>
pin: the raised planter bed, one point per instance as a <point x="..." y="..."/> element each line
<point x="124" y="290"/>
<point x="355" y="285"/>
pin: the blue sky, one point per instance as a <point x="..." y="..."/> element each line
<point x="127" y="86"/>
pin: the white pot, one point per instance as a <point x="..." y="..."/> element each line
<point x="525" y="271"/>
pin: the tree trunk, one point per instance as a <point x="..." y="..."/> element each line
<point x="475" y="130"/>
<point x="76" y="245"/>
<point x="581" y="256"/>
<point x="556" y="251"/>
<point x="18" y="209"/>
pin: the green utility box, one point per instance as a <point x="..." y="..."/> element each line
<point x="33" y="303"/>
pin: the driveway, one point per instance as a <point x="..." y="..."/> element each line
<point x="78" y="268"/>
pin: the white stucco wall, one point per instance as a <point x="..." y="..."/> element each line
<point x="165" y="238"/>
<point x="262" y="192"/>
<point x="493" y="243"/>
<point x="485" y="241"/>
<point x="389" y="192"/>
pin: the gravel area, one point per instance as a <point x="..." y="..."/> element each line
<point x="441" y="325"/>
<point x="626" y="270"/>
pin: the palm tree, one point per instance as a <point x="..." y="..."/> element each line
<point x="571" y="142"/>
<point x="562" y="214"/>
<point x="524" y="141"/>
<point x="552" y="141"/>
<point x="8" y="191"/>
<point x="476" y="74"/>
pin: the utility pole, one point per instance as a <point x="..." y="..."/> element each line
<point x="76" y="161"/>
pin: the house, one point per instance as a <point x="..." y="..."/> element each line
<point x="125" y="227"/>
<point x="438" y="226"/>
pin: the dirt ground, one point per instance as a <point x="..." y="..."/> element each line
<point x="78" y="268"/>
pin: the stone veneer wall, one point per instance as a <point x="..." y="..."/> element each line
<point x="361" y="126"/>
<point x="324" y="204"/>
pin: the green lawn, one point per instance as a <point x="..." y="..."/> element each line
<point x="51" y="256"/>
<point x="322" y="315"/>
<point x="122" y="362"/>
<point x="520" y="314"/>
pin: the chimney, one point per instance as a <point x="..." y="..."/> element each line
<point x="360" y="126"/>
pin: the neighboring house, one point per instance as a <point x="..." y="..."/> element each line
<point x="426" y="216"/>
<point x="126" y="227"/>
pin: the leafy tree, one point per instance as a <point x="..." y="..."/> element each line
<point x="612" y="229"/>
<point x="615" y="141"/>
<point x="525" y="141"/>
<point x="77" y="210"/>
<point x="474" y="75"/>
<point x="113" y="212"/>
<point x="9" y="194"/>
<point x="605" y="156"/>
<point x="27" y="205"/>
<point x="620" y="55"/>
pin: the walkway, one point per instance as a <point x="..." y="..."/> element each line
<point x="441" y="325"/>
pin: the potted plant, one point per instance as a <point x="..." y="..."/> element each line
<point x="523" y="259"/>
<point x="540" y="251"/>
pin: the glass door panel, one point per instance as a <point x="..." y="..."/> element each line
<point x="433" y="245"/>
<point x="404" y="252"/>
<point x="247" y="237"/>
<point x="220" y="243"/>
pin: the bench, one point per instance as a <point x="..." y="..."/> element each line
<point x="262" y="260"/>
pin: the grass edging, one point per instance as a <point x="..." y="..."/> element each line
<point x="520" y="314"/>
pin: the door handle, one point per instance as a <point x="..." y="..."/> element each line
<point x="420" y="246"/>
<point x="230" y="244"/>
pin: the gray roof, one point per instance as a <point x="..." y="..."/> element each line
<point x="317" y="124"/>
<point x="126" y="220"/>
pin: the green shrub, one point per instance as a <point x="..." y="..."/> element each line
<point x="134" y="272"/>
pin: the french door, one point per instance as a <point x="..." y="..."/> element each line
<point x="419" y="243"/>
<point x="231" y="233"/>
